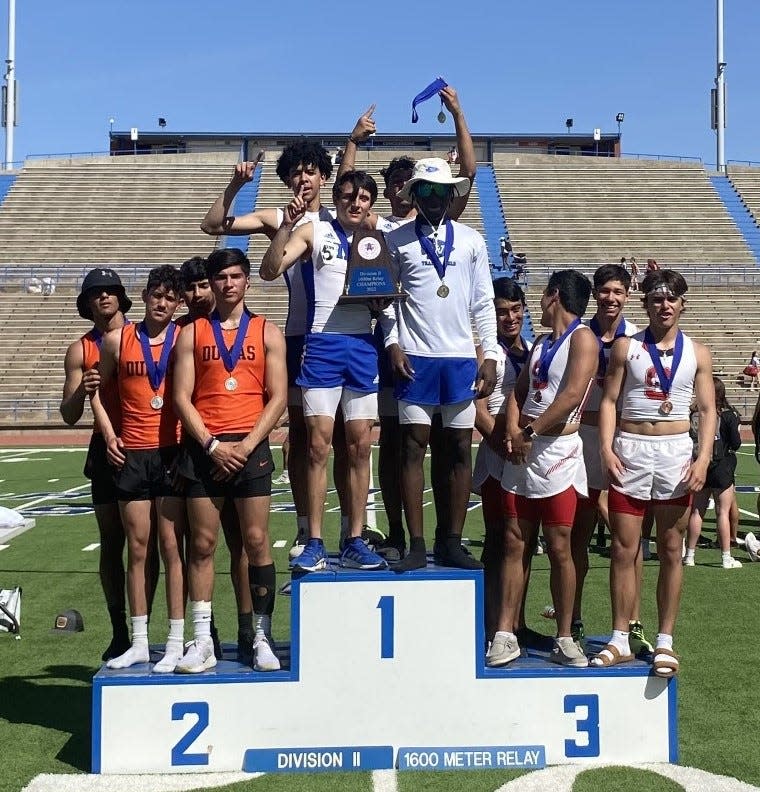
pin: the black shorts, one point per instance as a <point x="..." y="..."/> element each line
<point x="253" y="481"/>
<point x="720" y="476"/>
<point x="147" y="474"/>
<point x="100" y="472"/>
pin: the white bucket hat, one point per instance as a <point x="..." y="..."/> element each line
<point x="437" y="171"/>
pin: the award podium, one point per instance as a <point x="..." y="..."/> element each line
<point x="382" y="671"/>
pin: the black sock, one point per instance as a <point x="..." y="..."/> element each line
<point x="262" y="580"/>
<point x="396" y="536"/>
<point x="118" y="617"/>
<point x="416" y="558"/>
<point x="245" y="622"/>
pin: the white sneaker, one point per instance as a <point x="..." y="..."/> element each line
<point x="168" y="662"/>
<point x="264" y="659"/>
<point x="568" y="652"/>
<point x="732" y="563"/>
<point x="752" y="545"/>
<point x="283" y="478"/>
<point x="199" y="657"/>
<point x="503" y="650"/>
<point x="688" y="560"/>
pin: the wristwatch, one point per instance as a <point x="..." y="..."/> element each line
<point x="528" y="432"/>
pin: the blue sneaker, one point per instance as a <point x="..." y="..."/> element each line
<point x="357" y="555"/>
<point x="313" y="558"/>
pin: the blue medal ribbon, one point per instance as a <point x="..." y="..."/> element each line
<point x="619" y="332"/>
<point x="231" y="355"/>
<point x="549" y="349"/>
<point x="426" y="93"/>
<point x="429" y="247"/>
<point x="517" y="359"/>
<point x="156" y="371"/>
<point x="341" y="234"/>
<point x="666" y="382"/>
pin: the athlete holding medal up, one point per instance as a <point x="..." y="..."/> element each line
<point x="649" y="459"/>
<point x="144" y="451"/>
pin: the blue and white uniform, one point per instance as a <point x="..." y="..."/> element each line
<point x="435" y="332"/>
<point x="295" y="322"/>
<point x="338" y="349"/>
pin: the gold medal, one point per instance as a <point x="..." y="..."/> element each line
<point x="230" y="384"/>
<point x="156" y="402"/>
<point x="666" y="407"/>
<point x="443" y="290"/>
<point x="537" y="397"/>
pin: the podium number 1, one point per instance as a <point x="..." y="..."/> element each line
<point x="385" y="605"/>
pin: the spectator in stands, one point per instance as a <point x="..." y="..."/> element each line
<point x="647" y="456"/>
<point x="431" y="350"/>
<point x="339" y="366"/>
<point x="304" y="166"/>
<point x="199" y="298"/>
<point x="545" y="452"/>
<point x="634" y="268"/>
<point x="452" y="156"/>
<point x="104" y="302"/>
<point x="652" y="266"/>
<point x="142" y="436"/>
<point x="752" y="370"/>
<point x="507" y="256"/>
<point x="230" y="388"/>
<point x="719" y="483"/>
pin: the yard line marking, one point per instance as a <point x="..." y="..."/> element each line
<point x="279" y="543"/>
<point x="4" y="547"/>
<point x="52" y="481"/>
<point x="748" y="513"/>
<point x="384" y="781"/>
<point x="57" y="450"/>
<point x="370" y="512"/>
<point x="49" y="782"/>
<point x="24" y="459"/>
<point x="91" y="547"/>
<point x="52" y="496"/>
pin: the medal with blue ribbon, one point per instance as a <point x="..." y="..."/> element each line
<point x="432" y="253"/>
<point x="549" y="349"/>
<point x="619" y="332"/>
<point x="230" y="355"/>
<point x="666" y="381"/>
<point x="156" y="370"/>
<point x="426" y="93"/>
<point x="517" y="359"/>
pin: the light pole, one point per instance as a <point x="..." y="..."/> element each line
<point x="620" y="117"/>
<point x="9" y="89"/>
<point x="720" y="91"/>
<point x="111" y="122"/>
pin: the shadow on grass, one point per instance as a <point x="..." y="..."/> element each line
<point x="58" y="698"/>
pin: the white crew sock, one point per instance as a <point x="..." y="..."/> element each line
<point x="138" y="652"/>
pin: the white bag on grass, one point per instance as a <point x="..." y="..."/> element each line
<point x="10" y="611"/>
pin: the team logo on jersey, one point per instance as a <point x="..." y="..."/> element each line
<point x="369" y="248"/>
<point x="652" y="387"/>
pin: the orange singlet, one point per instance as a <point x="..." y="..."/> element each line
<point x="110" y="393"/>
<point x="142" y="426"/>
<point x="229" y="411"/>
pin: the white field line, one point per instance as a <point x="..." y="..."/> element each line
<point x="91" y="547"/>
<point x="52" y="496"/>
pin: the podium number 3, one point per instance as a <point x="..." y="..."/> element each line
<point x="385" y="605"/>
<point x="588" y="726"/>
<point x="180" y="709"/>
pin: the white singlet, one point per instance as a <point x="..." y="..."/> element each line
<point x="642" y="394"/>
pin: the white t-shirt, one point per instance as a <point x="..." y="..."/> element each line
<point x="432" y="326"/>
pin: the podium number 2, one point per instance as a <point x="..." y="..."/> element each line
<point x="179" y="752"/>
<point x="385" y="605"/>
<point x="588" y="726"/>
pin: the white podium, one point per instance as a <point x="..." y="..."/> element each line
<point x="383" y="671"/>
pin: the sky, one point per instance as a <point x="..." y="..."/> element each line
<point x="518" y="67"/>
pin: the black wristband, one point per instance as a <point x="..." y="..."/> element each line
<point x="528" y="432"/>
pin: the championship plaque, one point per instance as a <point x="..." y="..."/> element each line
<point x="368" y="275"/>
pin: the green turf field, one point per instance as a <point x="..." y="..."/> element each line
<point x="45" y="678"/>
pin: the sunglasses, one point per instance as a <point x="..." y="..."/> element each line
<point x="426" y="189"/>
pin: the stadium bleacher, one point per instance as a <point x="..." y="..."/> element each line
<point x="62" y="217"/>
